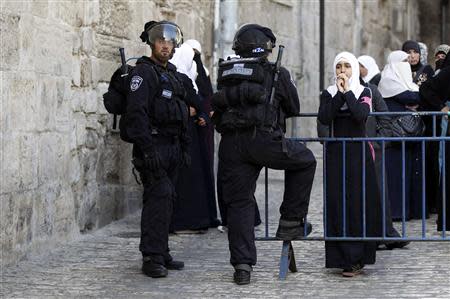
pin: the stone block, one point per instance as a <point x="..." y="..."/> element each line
<point x="76" y="43"/>
<point x="110" y="207"/>
<point x="48" y="102"/>
<point x="63" y="107"/>
<point x="95" y="76"/>
<point x="10" y="163"/>
<point x="107" y="47"/>
<point x="9" y="31"/>
<point x="108" y="67"/>
<point x="90" y="102"/>
<point x="19" y="162"/>
<point x="91" y="14"/>
<point x="21" y="103"/>
<point x="23" y="208"/>
<point x="87" y="39"/>
<point x="101" y="89"/>
<point x="68" y="12"/>
<point x="115" y="18"/>
<point x="49" y="150"/>
<point x="80" y="123"/>
<point x="76" y="71"/>
<point x="64" y="219"/>
<point x="39" y="8"/>
<point x="43" y="206"/>
<point x="52" y="47"/>
<point x="88" y="210"/>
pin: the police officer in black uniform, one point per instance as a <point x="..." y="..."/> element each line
<point x="252" y="129"/>
<point x="156" y="123"/>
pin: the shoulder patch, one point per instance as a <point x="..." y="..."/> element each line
<point x="135" y="83"/>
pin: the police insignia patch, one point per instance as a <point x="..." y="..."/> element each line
<point x="135" y="83"/>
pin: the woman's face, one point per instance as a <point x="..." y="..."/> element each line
<point x="414" y="57"/>
<point x="363" y="71"/>
<point x="344" y="67"/>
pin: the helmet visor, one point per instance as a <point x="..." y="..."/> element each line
<point x="166" y="32"/>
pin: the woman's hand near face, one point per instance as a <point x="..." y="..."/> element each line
<point x="346" y="83"/>
<point x="340" y="82"/>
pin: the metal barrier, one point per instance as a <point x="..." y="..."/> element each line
<point x="287" y="259"/>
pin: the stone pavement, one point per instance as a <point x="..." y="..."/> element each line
<point x="106" y="264"/>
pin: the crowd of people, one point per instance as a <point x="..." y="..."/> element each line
<point x="172" y="111"/>
<point x="405" y="84"/>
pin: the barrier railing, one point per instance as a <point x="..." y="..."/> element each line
<point x="287" y="259"/>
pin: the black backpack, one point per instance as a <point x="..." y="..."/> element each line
<point x="115" y="99"/>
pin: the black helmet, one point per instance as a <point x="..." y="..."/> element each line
<point x="253" y="40"/>
<point x="166" y="30"/>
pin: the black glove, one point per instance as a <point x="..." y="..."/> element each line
<point x="152" y="161"/>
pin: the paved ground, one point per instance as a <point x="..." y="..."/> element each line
<point x="106" y="264"/>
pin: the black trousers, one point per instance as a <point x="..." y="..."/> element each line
<point x="241" y="157"/>
<point x="158" y="199"/>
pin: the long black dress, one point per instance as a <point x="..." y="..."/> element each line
<point x="206" y="138"/>
<point x="193" y="209"/>
<point x="434" y="93"/>
<point x="413" y="166"/>
<point x="344" y="254"/>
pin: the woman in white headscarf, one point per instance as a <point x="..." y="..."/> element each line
<point x="183" y="59"/>
<point x="345" y="106"/>
<point x="369" y="70"/>
<point x="401" y="94"/>
<point x="191" y="211"/>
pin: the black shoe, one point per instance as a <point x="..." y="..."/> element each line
<point x="292" y="229"/>
<point x="352" y="271"/>
<point x="174" y="265"/>
<point x="396" y="244"/>
<point x="153" y="269"/>
<point x="241" y="277"/>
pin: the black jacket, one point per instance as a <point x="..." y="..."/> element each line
<point x="145" y="87"/>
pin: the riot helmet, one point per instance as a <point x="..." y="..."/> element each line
<point x="165" y="30"/>
<point x="253" y="40"/>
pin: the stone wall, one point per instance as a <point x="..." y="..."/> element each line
<point x="63" y="169"/>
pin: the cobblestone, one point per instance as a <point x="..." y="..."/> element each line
<point x="106" y="264"/>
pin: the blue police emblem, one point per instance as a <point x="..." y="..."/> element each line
<point x="135" y="83"/>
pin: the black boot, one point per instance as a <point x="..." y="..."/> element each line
<point x="152" y="269"/>
<point x="174" y="265"/>
<point x="396" y="244"/>
<point x="242" y="274"/>
<point x="292" y="229"/>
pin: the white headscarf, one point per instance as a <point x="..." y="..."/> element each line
<point x="396" y="76"/>
<point x="371" y="65"/>
<point x="195" y="44"/>
<point x="183" y="59"/>
<point x="355" y="86"/>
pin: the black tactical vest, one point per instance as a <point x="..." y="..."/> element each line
<point x="242" y="101"/>
<point x="168" y="112"/>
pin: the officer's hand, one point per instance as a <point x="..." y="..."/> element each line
<point x="201" y="122"/>
<point x="152" y="161"/>
<point x="192" y="111"/>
